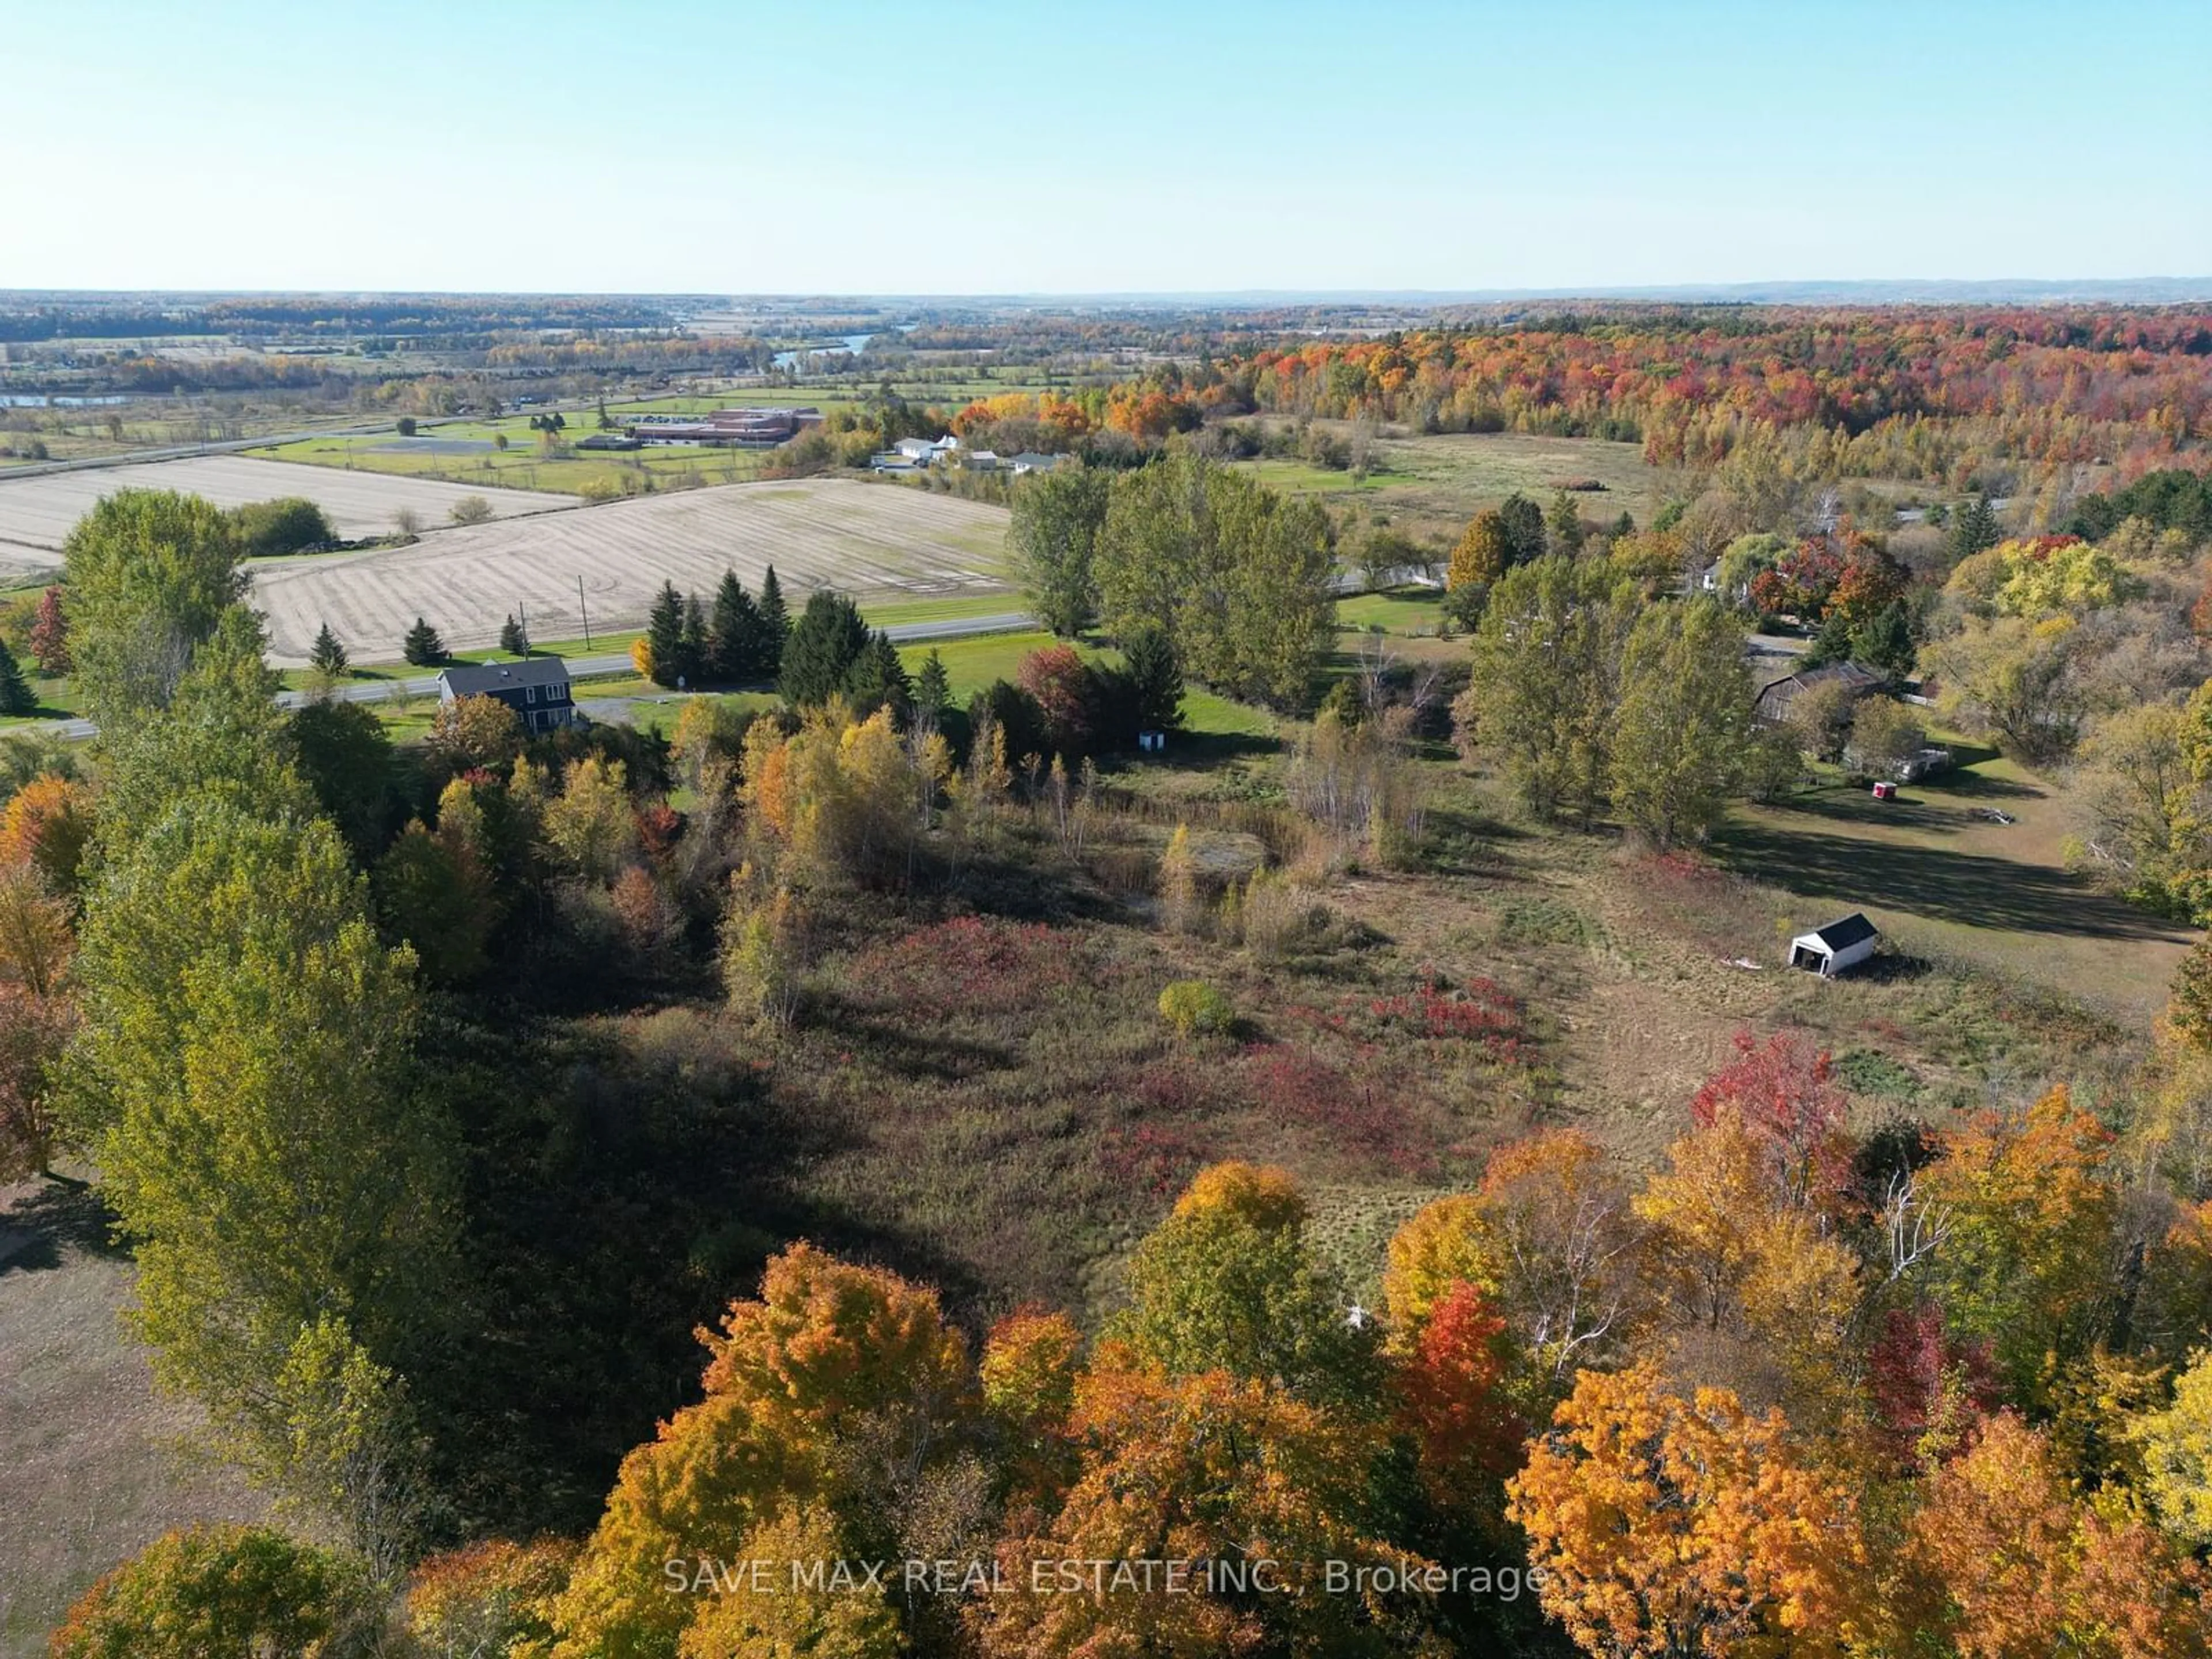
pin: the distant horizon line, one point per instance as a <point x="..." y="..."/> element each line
<point x="2166" y="290"/>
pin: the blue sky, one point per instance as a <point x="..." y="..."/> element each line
<point x="916" y="148"/>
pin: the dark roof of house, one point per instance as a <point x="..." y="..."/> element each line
<point x="470" y="679"/>
<point x="1849" y="673"/>
<point x="1841" y="935"/>
<point x="1777" y="694"/>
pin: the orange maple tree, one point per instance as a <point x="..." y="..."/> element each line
<point x="1668" y="1527"/>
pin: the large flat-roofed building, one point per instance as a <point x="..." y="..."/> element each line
<point x="738" y="429"/>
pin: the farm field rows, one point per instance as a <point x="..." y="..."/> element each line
<point x="36" y="514"/>
<point x="865" y="538"/>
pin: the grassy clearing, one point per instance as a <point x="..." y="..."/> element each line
<point x="892" y="613"/>
<point x="1945" y="880"/>
<point x="96" y="1467"/>
<point x="1409" y="612"/>
<point x="972" y="664"/>
<point x="1431" y="486"/>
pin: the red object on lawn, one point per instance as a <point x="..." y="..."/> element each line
<point x="1885" y="791"/>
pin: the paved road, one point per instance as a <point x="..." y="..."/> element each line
<point x="612" y="662"/>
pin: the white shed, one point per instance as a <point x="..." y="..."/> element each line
<point x="1837" y="948"/>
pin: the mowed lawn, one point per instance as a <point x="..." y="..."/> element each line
<point x="1943" y="879"/>
<point x="973" y="664"/>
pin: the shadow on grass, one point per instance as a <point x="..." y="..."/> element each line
<point x="1970" y="889"/>
<point x="1980" y="786"/>
<point x="1202" y="751"/>
<point x="909" y="1054"/>
<point x="54" y="1218"/>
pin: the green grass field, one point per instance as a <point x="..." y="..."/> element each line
<point x="973" y="663"/>
<point x="1410" y="611"/>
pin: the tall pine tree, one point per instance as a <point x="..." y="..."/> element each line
<point x="695" y="639"/>
<point x="423" y="647"/>
<point x="827" y="641"/>
<point x="1155" y="677"/>
<point x="933" y="687"/>
<point x="878" y="679"/>
<point x="733" y="633"/>
<point x="511" y="639"/>
<point x="327" y="657"/>
<point x="1974" y="527"/>
<point x="664" y="635"/>
<point x="16" y="696"/>
<point x="775" y="624"/>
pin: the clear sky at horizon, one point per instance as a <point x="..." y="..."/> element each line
<point x="1136" y="146"/>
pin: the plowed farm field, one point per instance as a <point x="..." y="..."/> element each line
<point x="866" y="539"/>
<point x="36" y="514"/>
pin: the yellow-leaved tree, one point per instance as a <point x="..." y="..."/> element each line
<point x="840" y="1387"/>
<point x="841" y="798"/>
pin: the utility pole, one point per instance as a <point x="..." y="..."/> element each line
<point x="583" y="610"/>
<point x="528" y="650"/>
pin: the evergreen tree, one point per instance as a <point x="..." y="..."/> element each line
<point x="16" y="696"/>
<point x="422" y="646"/>
<point x="1563" y="524"/>
<point x="933" y="687"/>
<point x="1974" y="529"/>
<point x="1524" y="528"/>
<point x="327" y="657"/>
<point x="511" y="639"/>
<point x="1832" y="644"/>
<point x="878" y="679"/>
<point x="1885" y="644"/>
<point x="695" y="639"/>
<point x="824" y="644"/>
<point x="775" y="624"/>
<point x="664" y="635"/>
<point x="734" y="634"/>
<point x="1148" y="660"/>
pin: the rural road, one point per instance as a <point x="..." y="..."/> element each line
<point x="612" y="662"/>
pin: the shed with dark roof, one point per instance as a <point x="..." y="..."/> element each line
<point x="1837" y="948"/>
